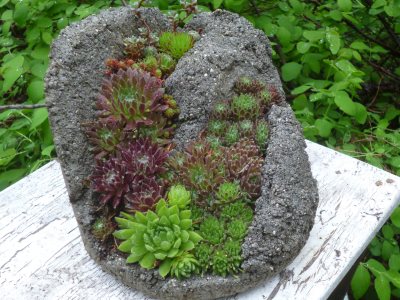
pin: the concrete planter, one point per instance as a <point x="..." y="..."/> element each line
<point x="229" y="47"/>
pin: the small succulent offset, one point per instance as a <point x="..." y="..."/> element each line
<point x="212" y="230"/>
<point x="184" y="266"/>
<point x="164" y="238"/>
<point x="245" y="106"/>
<point x="246" y="85"/>
<point x="228" y="192"/>
<point x="178" y="195"/>
<point x="102" y="228"/>
<point x="176" y="43"/>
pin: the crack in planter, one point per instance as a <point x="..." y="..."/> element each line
<point x="228" y="48"/>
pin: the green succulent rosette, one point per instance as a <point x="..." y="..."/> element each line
<point x="157" y="238"/>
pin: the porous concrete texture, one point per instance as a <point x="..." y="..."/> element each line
<point x="229" y="48"/>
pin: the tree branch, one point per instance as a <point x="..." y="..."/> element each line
<point x="22" y="106"/>
<point x="392" y="50"/>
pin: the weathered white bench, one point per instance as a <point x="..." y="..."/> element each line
<point x="42" y="255"/>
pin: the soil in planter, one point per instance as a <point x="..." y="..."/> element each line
<point x="183" y="212"/>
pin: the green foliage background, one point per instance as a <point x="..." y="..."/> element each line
<point x="339" y="61"/>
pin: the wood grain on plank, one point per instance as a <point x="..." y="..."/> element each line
<point x="42" y="255"/>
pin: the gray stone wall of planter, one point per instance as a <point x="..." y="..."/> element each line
<point x="229" y="48"/>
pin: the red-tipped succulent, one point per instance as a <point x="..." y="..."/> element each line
<point x="244" y="162"/>
<point x="104" y="137"/>
<point x="144" y="194"/>
<point x="133" y="97"/>
<point x="111" y="179"/>
<point x="143" y="157"/>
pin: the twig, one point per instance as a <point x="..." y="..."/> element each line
<point x="383" y="70"/>
<point x="254" y="4"/>
<point x="384" y="45"/>
<point x="376" y="94"/>
<point x="22" y="106"/>
<point x="124" y="3"/>
<point x="389" y="29"/>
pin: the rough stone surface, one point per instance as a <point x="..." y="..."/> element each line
<point x="229" y="47"/>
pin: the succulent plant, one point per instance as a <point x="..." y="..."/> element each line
<point x="167" y="63"/>
<point x="212" y="230"/>
<point x="143" y="157"/>
<point x="237" y="210"/>
<point x="214" y="141"/>
<point x="246" y="128"/>
<point x="175" y="43"/>
<point x="216" y="127"/>
<point x="134" y="47"/>
<point x="274" y="93"/>
<point x="243" y="162"/>
<point x="228" y="192"/>
<point x="131" y="96"/>
<point x="184" y="265"/>
<point x="233" y="249"/>
<point x="237" y="229"/>
<point x="245" y="106"/>
<point x="102" y="228"/>
<point x="246" y="85"/>
<point x="144" y="194"/>
<point x="220" y="263"/>
<point x="221" y="110"/>
<point x="232" y="134"/>
<point x="157" y="237"/>
<point x="111" y="179"/>
<point x="261" y="135"/>
<point x="201" y="169"/>
<point x="150" y="51"/>
<point x="179" y="195"/>
<point x="104" y="137"/>
<point x="203" y="254"/>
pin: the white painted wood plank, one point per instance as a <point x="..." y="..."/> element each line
<point x="42" y="255"/>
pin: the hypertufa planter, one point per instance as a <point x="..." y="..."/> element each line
<point x="227" y="49"/>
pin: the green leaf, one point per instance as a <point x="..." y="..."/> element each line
<point x="124" y="234"/>
<point x="6" y="156"/>
<point x="47" y="151"/>
<point x="125" y="246"/>
<point x="217" y="3"/>
<point x="195" y="237"/>
<point x="333" y="39"/>
<point x="300" y="90"/>
<point x="394" y="277"/>
<point x="235" y="5"/>
<point x="387" y="250"/>
<point x="284" y="36"/>
<point x="395" y="217"/>
<point x="343" y="101"/>
<point x="189" y="245"/>
<point x="387" y="231"/>
<point x="133" y="258"/>
<point x="165" y="267"/>
<point x="291" y="71"/>
<point x="21" y="12"/>
<point x="395" y="162"/>
<point x="345" y="5"/>
<point x="324" y="127"/>
<point x="12" y="71"/>
<point x="38" y="117"/>
<point x="303" y="47"/>
<point x="36" y="91"/>
<point x="314" y="36"/>
<point x="9" y="177"/>
<point x="148" y="261"/>
<point x="375" y="267"/>
<point x="382" y="287"/>
<point x="360" y="282"/>
<point x="361" y="113"/>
